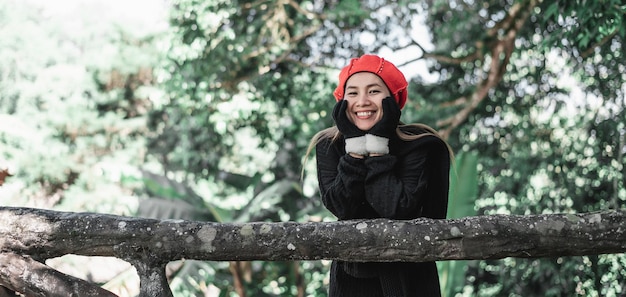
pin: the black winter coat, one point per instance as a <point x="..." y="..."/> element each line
<point x="411" y="181"/>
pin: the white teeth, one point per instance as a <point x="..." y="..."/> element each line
<point x="364" y="113"/>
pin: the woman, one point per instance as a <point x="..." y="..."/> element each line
<point x="370" y="165"/>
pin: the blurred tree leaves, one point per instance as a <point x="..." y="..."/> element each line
<point x="212" y="117"/>
<point x="539" y="130"/>
<point x="461" y="202"/>
<point x="74" y="100"/>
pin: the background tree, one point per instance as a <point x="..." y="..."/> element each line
<point x="549" y="129"/>
<point x="76" y="85"/>
<point x="533" y="89"/>
<point x="528" y="84"/>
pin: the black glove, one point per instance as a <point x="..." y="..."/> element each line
<point x="347" y="128"/>
<point x="355" y="137"/>
<point x="377" y="138"/>
<point x="386" y="127"/>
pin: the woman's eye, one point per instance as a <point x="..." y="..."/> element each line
<point x="351" y="94"/>
<point x="374" y="91"/>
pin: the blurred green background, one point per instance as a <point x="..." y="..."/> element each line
<point x="202" y="110"/>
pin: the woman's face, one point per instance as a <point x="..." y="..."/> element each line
<point x="365" y="92"/>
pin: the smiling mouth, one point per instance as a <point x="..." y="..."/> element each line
<point x="364" y="114"/>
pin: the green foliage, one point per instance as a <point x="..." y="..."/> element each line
<point x="549" y="136"/>
<point x="348" y="13"/>
<point x="586" y="23"/>
<point x="239" y="115"/>
<point x="461" y="203"/>
<point x="212" y="119"/>
<point x="73" y="116"/>
<point x="74" y="94"/>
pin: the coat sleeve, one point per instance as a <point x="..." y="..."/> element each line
<point x="342" y="182"/>
<point x="412" y="185"/>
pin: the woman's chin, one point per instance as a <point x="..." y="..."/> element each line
<point x="364" y="126"/>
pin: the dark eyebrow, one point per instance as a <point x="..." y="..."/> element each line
<point x="367" y="87"/>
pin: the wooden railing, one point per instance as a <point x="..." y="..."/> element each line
<point x="30" y="236"/>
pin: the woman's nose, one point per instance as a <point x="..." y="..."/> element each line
<point x="362" y="100"/>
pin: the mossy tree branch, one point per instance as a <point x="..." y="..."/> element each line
<point x="150" y="244"/>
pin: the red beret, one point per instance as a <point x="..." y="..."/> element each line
<point x="389" y="73"/>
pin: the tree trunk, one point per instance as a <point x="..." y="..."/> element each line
<point x="150" y="244"/>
